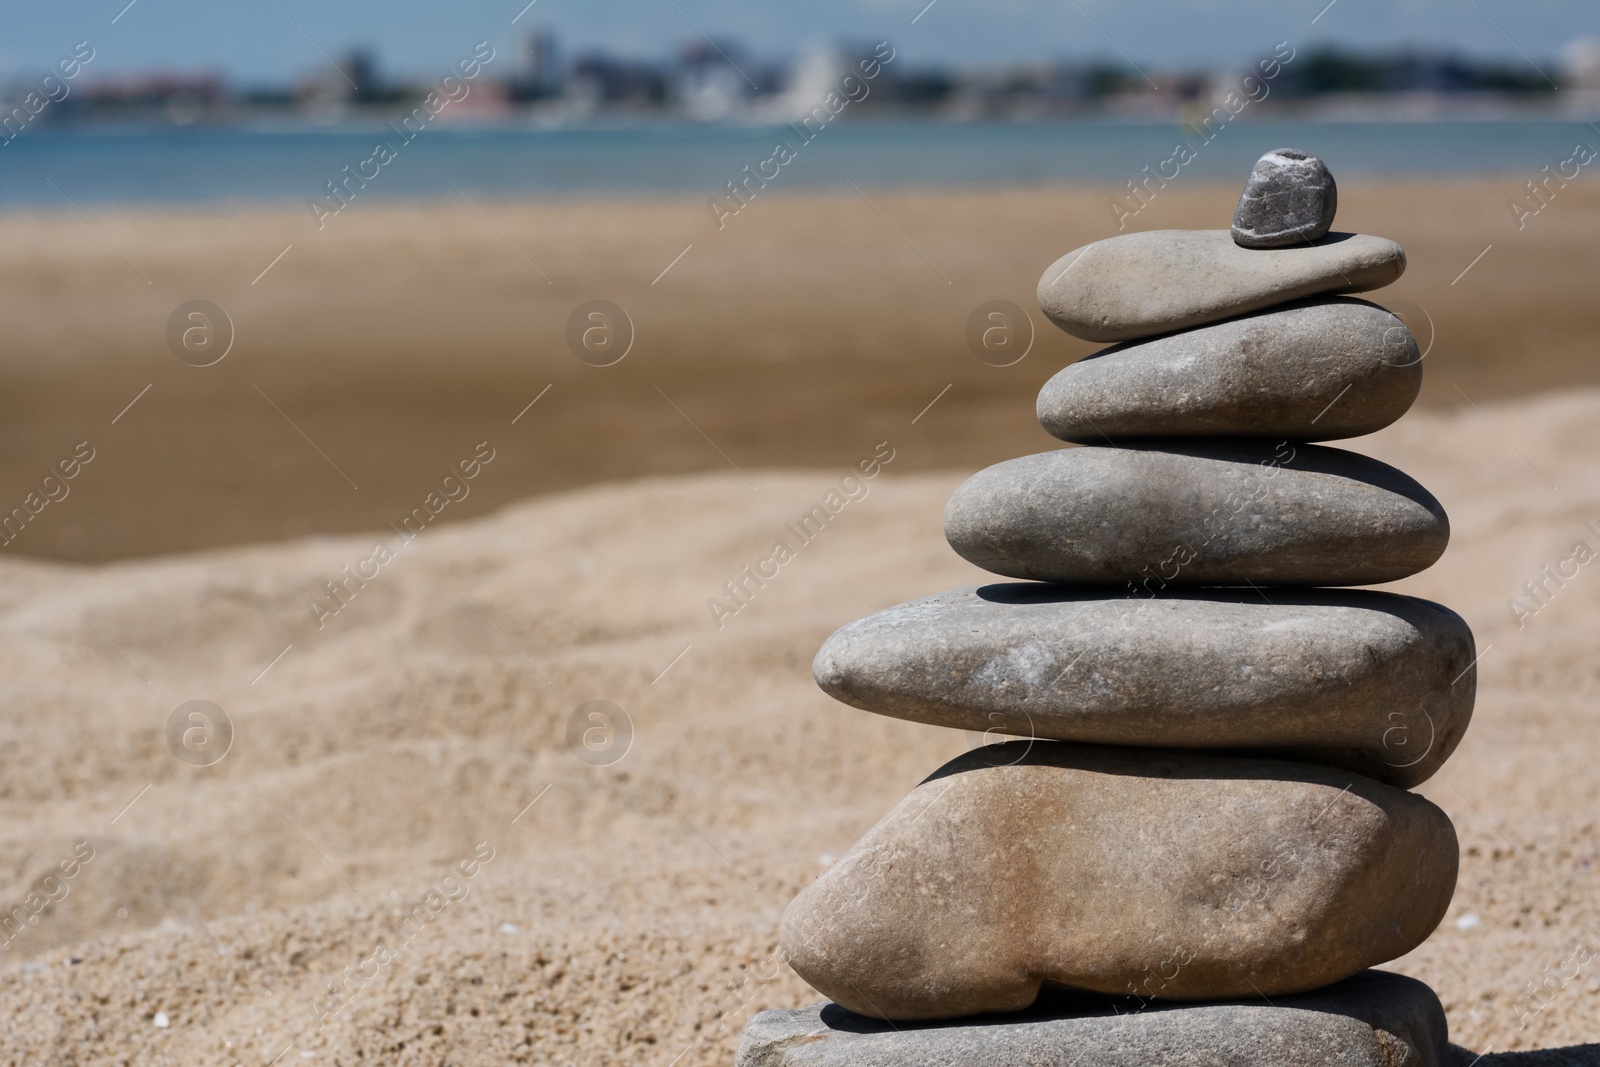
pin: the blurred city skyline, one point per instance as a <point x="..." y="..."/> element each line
<point x="539" y="80"/>
<point x="281" y="41"/>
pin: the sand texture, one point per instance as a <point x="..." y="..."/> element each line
<point x="400" y="336"/>
<point x="629" y="912"/>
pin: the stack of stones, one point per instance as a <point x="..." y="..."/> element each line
<point x="1203" y="837"/>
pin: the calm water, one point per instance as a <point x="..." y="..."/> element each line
<point x="193" y="165"/>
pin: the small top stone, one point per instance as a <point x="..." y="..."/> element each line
<point x="1289" y="199"/>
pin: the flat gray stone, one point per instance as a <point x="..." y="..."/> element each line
<point x="1150" y="872"/>
<point x="1375" y="1019"/>
<point x="1373" y="682"/>
<point x="1314" y="371"/>
<point x="1289" y="199"/>
<point x="1142" y="284"/>
<point x="1201" y="514"/>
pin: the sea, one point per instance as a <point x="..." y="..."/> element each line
<point x="125" y="165"/>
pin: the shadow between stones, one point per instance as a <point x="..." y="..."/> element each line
<point x="1059" y="1002"/>
<point x="1398" y="605"/>
<point x="1173" y="764"/>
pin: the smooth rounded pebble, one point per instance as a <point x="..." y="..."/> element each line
<point x="1153" y="873"/>
<point x="1201" y="514"/>
<point x="1289" y="199"/>
<point x="1373" y="682"/>
<point x="1142" y="284"/>
<point x="1375" y="1019"/>
<point x="1315" y="371"/>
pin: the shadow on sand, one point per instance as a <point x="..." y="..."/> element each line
<point x="1571" y="1056"/>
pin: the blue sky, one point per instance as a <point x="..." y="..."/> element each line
<point x="264" y="40"/>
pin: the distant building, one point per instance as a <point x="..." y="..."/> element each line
<point x="358" y="69"/>
<point x="720" y="81"/>
<point x="1580" y="64"/>
<point x="536" y="66"/>
<point x="599" y="82"/>
<point x="708" y="82"/>
<point x="818" y="72"/>
<point x="176" y="98"/>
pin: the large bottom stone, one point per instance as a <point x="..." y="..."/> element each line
<point x="1375" y="1019"/>
<point x="1152" y="873"/>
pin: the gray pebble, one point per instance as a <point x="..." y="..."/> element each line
<point x="1289" y="199"/>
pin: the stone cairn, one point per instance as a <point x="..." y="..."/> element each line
<point x="1203" y="837"/>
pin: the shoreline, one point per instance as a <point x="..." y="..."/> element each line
<point x="256" y="207"/>
<point x="235" y="169"/>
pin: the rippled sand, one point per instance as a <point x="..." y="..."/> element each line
<point x="626" y="913"/>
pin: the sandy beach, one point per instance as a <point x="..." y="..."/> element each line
<point x="405" y="766"/>
<point x="376" y="353"/>
<point x="626" y="913"/>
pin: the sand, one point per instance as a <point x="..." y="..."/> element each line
<point x="628" y="913"/>
<point x="378" y="351"/>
